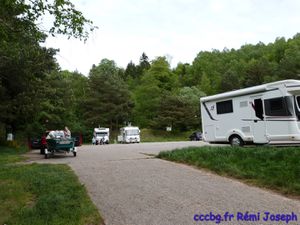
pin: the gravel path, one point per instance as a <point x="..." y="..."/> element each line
<point x="131" y="187"/>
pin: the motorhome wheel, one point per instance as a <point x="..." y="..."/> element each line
<point x="236" y="141"/>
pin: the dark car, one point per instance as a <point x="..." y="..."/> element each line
<point x="38" y="143"/>
<point x="35" y="143"/>
<point x="78" y="139"/>
<point x="196" y="136"/>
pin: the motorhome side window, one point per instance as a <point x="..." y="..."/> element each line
<point x="278" y="106"/>
<point x="297" y="106"/>
<point x="224" y="107"/>
<point x="258" y="107"/>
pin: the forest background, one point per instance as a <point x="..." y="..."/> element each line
<point x="36" y="95"/>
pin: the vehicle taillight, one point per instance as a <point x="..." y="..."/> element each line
<point x="44" y="140"/>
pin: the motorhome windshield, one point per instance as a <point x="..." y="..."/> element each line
<point x="282" y="106"/>
<point x="101" y="134"/>
<point x="132" y="132"/>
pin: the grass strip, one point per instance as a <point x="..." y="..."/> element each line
<point x="42" y="194"/>
<point x="148" y="135"/>
<point x="272" y="167"/>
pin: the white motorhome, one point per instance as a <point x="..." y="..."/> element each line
<point x="100" y="136"/>
<point x="268" y="113"/>
<point x="129" y="135"/>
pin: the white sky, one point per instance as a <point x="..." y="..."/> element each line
<point x="178" y="28"/>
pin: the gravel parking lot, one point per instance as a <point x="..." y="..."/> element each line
<point x="131" y="187"/>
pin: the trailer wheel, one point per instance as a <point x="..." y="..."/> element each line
<point x="236" y="141"/>
<point x="74" y="153"/>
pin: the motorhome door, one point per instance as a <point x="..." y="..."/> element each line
<point x="258" y="123"/>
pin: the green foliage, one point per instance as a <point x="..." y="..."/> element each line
<point x="275" y="168"/>
<point x="205" y="84"/>
<point x="157" y="81"/>
<point x="191" y="94"/>
<point x="147" y="99"/>
<point x="10" y="154"/>
<point x="53" y="103"/>
<point x="108" y="102"/>
<point x="184" y="74"/>
<point x="67" y="20"/>
<point x="31" y="89"/>
<point x="144" y="64"/>
<point x="161" y="72"/>
<point x="256" y="70"/>
<point x="233" y="77"/>
<point x="250" y="65"/>
<point x="208" y="68"/>
<point x="36" y="96"/>
<point x="289" y="65"/>
<point x="179" y="110"/>
<point x="135" y="72"/>
<point x="150" y="135"/>
<point x="131" y="71"/>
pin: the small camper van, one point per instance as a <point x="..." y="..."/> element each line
<point x="129" y="135"/>
<point x="100" y="136"/>
<point x="268" y="113"/>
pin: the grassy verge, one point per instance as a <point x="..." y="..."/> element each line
<point x="271" y="167"/>
<point x="148" y="135"/>
<point x="42" y="194"/>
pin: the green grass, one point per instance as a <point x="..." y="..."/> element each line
<point x="271" y="167"/>
<point x="148" y="135"/>
<point x="42" y="194"/>
<point x="10" y="155"/>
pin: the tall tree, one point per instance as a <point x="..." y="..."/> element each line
<point x="256" y="70"/>
<point x="108" y="100"/>
<point x="233" y="77"/>
<point x="206" y="84"/>
<point x="176" y="112"/>
<point x="144" y="63"/>
<point x="156" y="82"/>
<point x="181" y="110"/>
<point x="23" y="62"/>
<point x="184" y="74"/>
<point x="131" y="71"/>
<point x="289" y="65"/>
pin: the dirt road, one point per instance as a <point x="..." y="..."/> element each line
<point x="131" y="187"/>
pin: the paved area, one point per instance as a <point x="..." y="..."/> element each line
<point x="130" y="187"/>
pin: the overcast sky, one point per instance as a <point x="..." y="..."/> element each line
<point x="179" y="29"/>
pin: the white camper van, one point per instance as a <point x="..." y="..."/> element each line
<point x="100" y="136"/>
<point x="129" y="135"/>
<point x="268" y="113"/>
